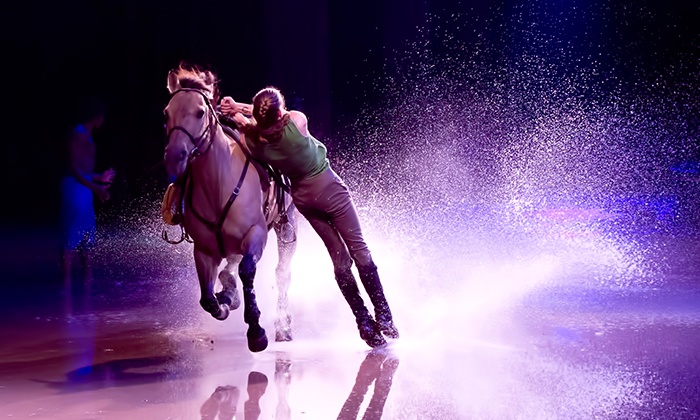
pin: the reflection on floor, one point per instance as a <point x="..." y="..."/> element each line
<point x="137" y="346"/>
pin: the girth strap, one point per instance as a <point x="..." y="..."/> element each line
<point x="219" y="226"/>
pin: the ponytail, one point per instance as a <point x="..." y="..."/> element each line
<point x="274" y="133"/>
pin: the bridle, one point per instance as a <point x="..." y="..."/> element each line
<point x="196" y="142"/>
<point x="207" y="134"/>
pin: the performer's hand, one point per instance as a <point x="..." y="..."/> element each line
<point x="107" y="176"/>
<point x="228" y="105"/>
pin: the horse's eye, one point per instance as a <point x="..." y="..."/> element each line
<point x="200" y="113"/>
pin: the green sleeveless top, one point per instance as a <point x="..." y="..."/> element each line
<point x="295" y="155"/>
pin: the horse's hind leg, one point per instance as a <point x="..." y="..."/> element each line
<point x="206" y="272"/>
<point x="253" y="244"/>
<point x="283" y="273"/>
<point x="283" y="323"/>
<point x="229" y="292"/>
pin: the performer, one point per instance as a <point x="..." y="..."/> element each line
<point x="281" y="139"/>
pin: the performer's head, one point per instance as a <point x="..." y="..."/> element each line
<point x="268" y="105"/>
<point x="91" y="111"/>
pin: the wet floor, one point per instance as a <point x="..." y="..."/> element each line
<point x="137" y="346"/>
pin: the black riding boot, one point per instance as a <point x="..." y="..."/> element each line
<point x="373" y="287"/>
<point x="369" y="330"/>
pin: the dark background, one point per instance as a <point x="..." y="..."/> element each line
<point x="324" y="55"/>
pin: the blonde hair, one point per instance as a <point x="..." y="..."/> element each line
<point x="195" y="77"/>
<point x="267" y="105"/>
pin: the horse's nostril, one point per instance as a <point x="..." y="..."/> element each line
<point x="175" y="155"/>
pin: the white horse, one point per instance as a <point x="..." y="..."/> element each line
<point x="228" y="204"/>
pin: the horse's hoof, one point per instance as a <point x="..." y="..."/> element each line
<point x="257" y="340"/>
<point x="283" y="328"/>
<point x="283" y="335"/>
<point x="223" y="313"/>
<point x="229" y="297"/>
<point x="229" y="294"/>
<point x="369" y="332"/>
<point x="213" y="307"/>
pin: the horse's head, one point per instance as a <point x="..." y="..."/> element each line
<point x="190" y="116"/>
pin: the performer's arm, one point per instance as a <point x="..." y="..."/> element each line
<point x="300" y="121"/>
<point x="245" y="109"/>
<point x="77" y="151"/>
<point x="231" y="107"/>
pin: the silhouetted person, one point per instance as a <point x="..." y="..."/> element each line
<point x="78" y="186"/>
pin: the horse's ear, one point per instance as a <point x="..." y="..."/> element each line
<point x="211" y="81"/>
<point x="208" y="77"/>
<point x="173" y="83"/>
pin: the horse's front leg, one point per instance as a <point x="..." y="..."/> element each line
<point x="253" y="245"/>
<point x="206" y="272"/>
<point x="283" y="273"/>
<point x="228" y="277"/>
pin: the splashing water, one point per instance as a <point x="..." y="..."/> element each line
<point x="509" y="152"/>
<point x="497" y="171"/>
<point x="488" y="173"/>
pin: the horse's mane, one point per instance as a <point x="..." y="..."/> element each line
<point x="195" y="77"/>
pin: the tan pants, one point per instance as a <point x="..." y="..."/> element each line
<point x="324" y="200"/>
